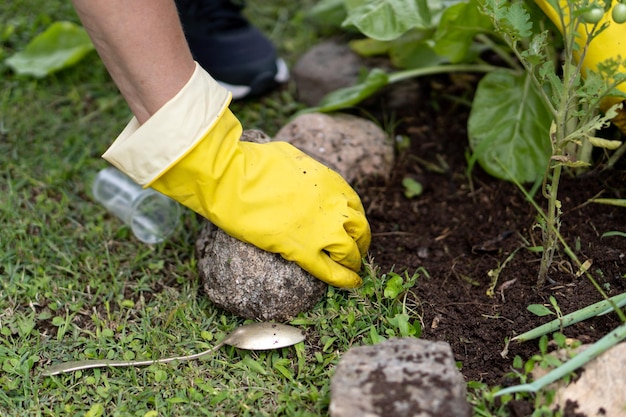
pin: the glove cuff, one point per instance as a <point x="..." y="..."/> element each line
<point x="145" y="151"/>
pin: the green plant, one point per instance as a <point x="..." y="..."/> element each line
<point x="531" y="119"/>
<point x="541" y="310"/>
<point x="412" y="187"/>
<point x="573" y="99"/>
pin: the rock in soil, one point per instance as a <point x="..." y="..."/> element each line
<point x="399" y="377"/>
<point x="253" y="283"/>
<point x="356" y="148"/>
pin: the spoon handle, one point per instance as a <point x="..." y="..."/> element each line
<point x="72" y="366"/>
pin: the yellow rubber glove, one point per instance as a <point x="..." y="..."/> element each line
<point x="270" y="195"/>
<point x="610" y="43"/>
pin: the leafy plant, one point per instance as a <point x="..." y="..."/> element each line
<point x="412" y="188"/>
<point x="541" y="310"/>
<point x="60" y="46"/>
<point x="572" y="100"/>
<point x="530" y="119"/>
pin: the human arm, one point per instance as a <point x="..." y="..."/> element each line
<point x="143" y="47"/>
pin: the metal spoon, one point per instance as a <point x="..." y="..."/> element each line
<point x="255" y="336"/>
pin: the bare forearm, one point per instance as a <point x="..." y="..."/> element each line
<point x="143" y="47"/>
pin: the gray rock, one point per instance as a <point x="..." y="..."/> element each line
<point x="326" y="67"/>
<point x="399" y="377"/>
<point x="354" y="147"/>
<point x="253" y="283"/>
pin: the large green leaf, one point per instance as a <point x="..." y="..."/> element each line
<point x="328" y="13"/>
<point x="457" y="28"/>
<point x="415" y="55"/>
<point x="387" y="19"/>
<point x="509" y="126"/>
<point x="62" y="45"/>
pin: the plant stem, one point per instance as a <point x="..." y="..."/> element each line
<point x="616" y="156"/>
<point x="551" y="228"/>
<point x="439" y="69"/>
<point x="499" y="51"/>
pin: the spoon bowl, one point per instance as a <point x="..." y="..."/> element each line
<point x="254" y="336"/>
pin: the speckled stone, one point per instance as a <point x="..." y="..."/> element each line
<point x="400" y="377"/>
<point x="253" y="283"/>
<point x="355" y="147"/>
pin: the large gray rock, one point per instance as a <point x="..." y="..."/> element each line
<point x="356" y="148"/>
<point x="253" y="283"/>
<point x="399" y="377"/>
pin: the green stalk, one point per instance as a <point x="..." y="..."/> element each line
<point x="551" y="228"/>
<point x="597" y="309"/>
<point x="439" y="69"/>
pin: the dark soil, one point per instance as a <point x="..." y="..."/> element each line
<point x="463" y="227"/>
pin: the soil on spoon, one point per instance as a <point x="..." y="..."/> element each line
<point x="462" y="227"/>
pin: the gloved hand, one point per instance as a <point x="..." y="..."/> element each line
<point x="270" y="195"/>
<point x="611" y="43"/>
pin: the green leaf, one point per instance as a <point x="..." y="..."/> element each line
<point x="328" y="13"/>
<point x="253" y="365"/>
<point x="613" y="233"/>
<point x="387" y="19"/>
<point x="349" y="96"/>
<point x="518" y="20"/>
<point x="412" y="188"/>
<point x="513" y="20"/>
<point x="369" y="47"/>
<point x="160" y="375"/>
<point x="281" y="366"/>
<point x="457" y="28"/>
<point x="539" y="310"/>
<point x="411" y="52"/>
<point x="509" y="126"/>
<point x="96" y="410"/>
<point x="401" y="322"/>
<point x="374" y="336"/>
<point x="394" y="286"/>
<point x="62" y="45"/>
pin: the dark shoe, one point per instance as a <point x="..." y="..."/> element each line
<point x="229" y="48"/>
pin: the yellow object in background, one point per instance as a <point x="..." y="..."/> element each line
<point x="611" y="43"/>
